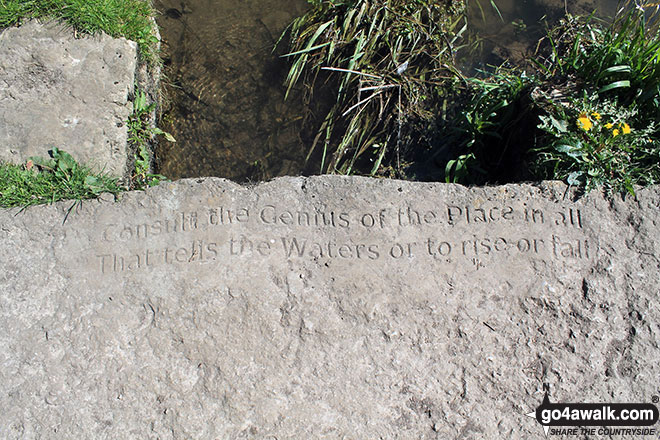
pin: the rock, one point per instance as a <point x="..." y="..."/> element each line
<point x="60" y="91"/>
<point x="324" y="307"/>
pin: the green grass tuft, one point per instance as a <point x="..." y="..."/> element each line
<point x="379" y="62"/>
<point x="43" y="180"/>
<point x="140" y="133"/>
<point x="118" y="18"/>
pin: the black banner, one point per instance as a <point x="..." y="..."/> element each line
<point x="596" y="414"/>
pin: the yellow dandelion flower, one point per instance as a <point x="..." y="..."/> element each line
<point x="609" y="125"/>
<point x="625" y="128"/>
<point x="596" y="115"/>
<point x="584" y="122"/>
<point x="615" y="132"/>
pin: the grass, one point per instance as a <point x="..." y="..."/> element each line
<point x="378" y="63"/>
<point x="118" y="18"/>
<point x="50" y="180"/>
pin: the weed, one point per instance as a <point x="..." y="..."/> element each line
<point x="140" y="133"/>
<point x="609" y="137"/>
<point x="598" y="143"/>
<point x="48" y="180"/>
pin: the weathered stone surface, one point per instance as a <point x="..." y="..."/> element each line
<point x="65" y="92"/>
<point x="324" y="308"/>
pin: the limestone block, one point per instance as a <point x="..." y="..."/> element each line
<point x="324" y="308"/>
<point x="60" y="91"/>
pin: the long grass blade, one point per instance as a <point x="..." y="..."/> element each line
<point x="306" y="50"/>
<point x="337" y="69"/>
<point x="614" y="85"/>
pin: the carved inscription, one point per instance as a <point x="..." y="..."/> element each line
<point x="441" y="235"/>
<point x="181" y="222"/>
<point x="456" y="215"/>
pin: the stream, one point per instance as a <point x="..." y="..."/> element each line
<point x="225" y="102"/>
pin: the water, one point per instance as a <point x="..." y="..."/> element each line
<point x="228" y="112"/>
<point x="227" y="109"/>
<point x="513" y="36"/>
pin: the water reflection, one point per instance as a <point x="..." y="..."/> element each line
<point x="511" y="32"/>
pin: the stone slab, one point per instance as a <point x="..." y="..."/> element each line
<point x="324" y="308"/>
<point x="60" y="91"/>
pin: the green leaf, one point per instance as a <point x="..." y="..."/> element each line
<point x="574" y="178"/>
<point x="615" y="85"/>
<point x="571" y="150"/>
<point x="560" y="125"/>
<point x="43" y="162"/>
<point x="379" y="160"/>
<point x="169" y="137"/>
<point x="140" y="102"/>
<point x="615" y="69"/>
<point x="492" y="3"/>
<point x="65" y="162"/>
<point x="308" y="49"/>
<point x="94" y="184"/>
<point x="91" y="181"/>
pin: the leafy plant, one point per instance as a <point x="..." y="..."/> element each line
<point x="618" y="60"/>
<point x="484" y="135"/>
<point x="597" y="143"/>
<point x="140" y="133"/>
<point x="610" y="136"/>
<point x="48" y="180"/>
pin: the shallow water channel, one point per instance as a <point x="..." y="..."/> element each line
<point x="228" y="112"/>
<point x="226" y="100"/>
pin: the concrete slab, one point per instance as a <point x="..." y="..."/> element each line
<point x="60" y="91"/>
<point x="324" y="308"/>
